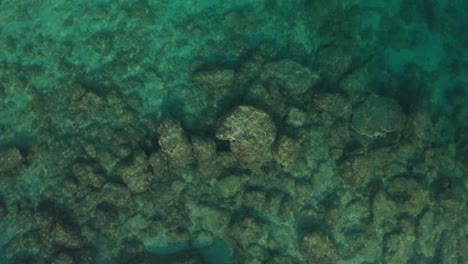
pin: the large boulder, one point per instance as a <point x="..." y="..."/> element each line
<point x="377" y="116"/>
<point x="250" y="132"/>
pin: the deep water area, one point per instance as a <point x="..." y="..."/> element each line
<point x="233" y="131"/>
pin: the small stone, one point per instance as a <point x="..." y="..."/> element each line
<point x="226" y="160"/>
<point x="106" y="219"/>
<point x="410" y="195"/>
<point x="203" y="239"/>
<point x="296" y="117"/>
<point x="85" y="105"/>
<point x="86" y="175"/>
<point x="421" y="125"/>
<point x="283" y="238"/>
<point x="135" y="224"/>
<point x="231" y="185"/>
<point x="29" y="241"/>
<point x="356" y="84"/>
<point x="356" y="170"/>
<point x="428" y="230"/>
<point x="254" y="199"/>
<point x="449" y="193"/>
<point x="208" y="218"/>
<point x="10" y="159"/>
<point x="158" y="163"/>
<point x="317" y="248"/>
<point x="66" y="236"/>
<point x="175" y="144"/>
<point x="333" y="62"/>
<point x="286" y="151"/>
<point x="203" y="148"/>
<point x="397" y="248"/>
<point x="335" y="104"/>
<point x="137" y="176"/>
<point x="108" y="161"/>
<point x="116" y="194"/>
<point x="63" y="258"/>
<point x="90" y="150"/>
<point x="385" y="211"/>
<point x="177" y="187"/>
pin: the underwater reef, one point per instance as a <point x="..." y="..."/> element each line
<point x="260" y="131"/>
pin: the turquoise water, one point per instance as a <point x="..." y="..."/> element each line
<point x="269" y="131"/>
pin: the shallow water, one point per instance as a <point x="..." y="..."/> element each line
<point x="270" y="131"/>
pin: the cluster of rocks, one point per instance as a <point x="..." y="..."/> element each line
<point x="285" y="186"/>
<point x="280" y="160"/>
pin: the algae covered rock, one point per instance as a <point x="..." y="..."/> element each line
<point x="296" y="117"/>
<point x="175" y="144"/>
<point x="385" y="211"/>
<point x="333" y="61"/>
<point x="62" y="258"/>
<point x="10" y="159"/>
<point x="231" y="185"/>
<point x="317" y="248"/>
<point x="356" y="170"/>
<point x="204" y="149"/>
<point x="214" y="78"/>
<point x="209" y="219"/>
<point x="87" y="176"/>
<point x="286" y="151"/>
<point x="410" y="195"/>
<point x="290" y="75"/>
<point x="397" y="247"/>
<point x="136" y="176"/>
<point x="158" y="163"/>
<point x="335" y="104"/>
<point x="250" y="132"/>
<point x="378" y="115"/>
<point x="116" y="194"/>
<point x="66" y="236"/>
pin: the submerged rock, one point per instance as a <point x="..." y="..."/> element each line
<point x="286" y="151"/>
<point x="214" y="78"/>
<point x="318" y="248"/>
<point x="377" y="116"/>
<point x="250" y="132"/>
<point x="291" y="76"/>
<point x="174" y="144"/>
<point x="66" y="236"/>
<point x="137" y="176"/>
<point x="10" y="159"/>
